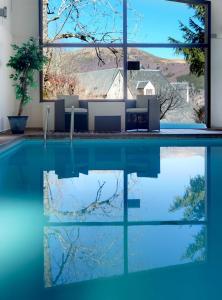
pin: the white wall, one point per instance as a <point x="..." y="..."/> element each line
<point x="116" y="90"/>
<point x="7" y="98"/>
<point x="150" y="89"/>
<point x="25" y="23"/>
<point x="21" y="23"/>
<point x="24" y="16"/>
<point x="216" y="68"/>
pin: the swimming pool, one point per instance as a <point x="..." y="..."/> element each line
<point x="111" y="219"/>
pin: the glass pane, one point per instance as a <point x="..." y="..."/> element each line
<point x="155" y="21"/>
<point x="77" y="254"/>
<point x="90" y="73"/>
<point x="183" y="190"/>
<point x="153" y="247"/>
<point x="86" y="21"/>
<point x="176" y="78"/>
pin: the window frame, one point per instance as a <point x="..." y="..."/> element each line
<point x="125" y="45"/>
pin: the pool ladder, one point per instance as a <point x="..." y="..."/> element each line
<point x="46" y="123"/>
<point x="72" y="123"/>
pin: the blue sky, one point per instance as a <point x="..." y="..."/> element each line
<point x="149" y="21"/>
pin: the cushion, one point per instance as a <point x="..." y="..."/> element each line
<point x="70" y="100"/>
<point x="77" y="110"/>
<point x="137" y="110"/>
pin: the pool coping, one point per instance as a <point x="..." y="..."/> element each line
<point x="7" y="139"/>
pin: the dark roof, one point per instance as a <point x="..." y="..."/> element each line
<point x="98" y="83"/>
<point x="141" y="84"/>
<point x="154" y="76"/>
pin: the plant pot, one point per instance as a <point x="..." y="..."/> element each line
<point x="18" y="124"/>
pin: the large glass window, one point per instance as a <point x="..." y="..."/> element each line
<point x="82" y="21"/>
<point x="154" y="21"/>
<point x="87" y="72"/>
<point x="163" y="73"/>
<point x="89" y="43"/>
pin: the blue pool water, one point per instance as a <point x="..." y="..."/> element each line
<point x="168" y="125"/>
<point x="105" y="219"/>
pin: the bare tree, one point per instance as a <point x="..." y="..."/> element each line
<point x="169" y="100"/>
<point x="198" y="104"/>
<point x="69" y="20"/>
<point x="56" y="84"/>
<point x="199" y="113"/>
<point x="83" y="21"/>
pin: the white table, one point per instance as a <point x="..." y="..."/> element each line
<point x="105" y="115"/>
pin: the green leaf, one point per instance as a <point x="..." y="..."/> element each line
<point x="27" y="59"/>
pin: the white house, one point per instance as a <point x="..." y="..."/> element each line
<point x="108" y="84"/>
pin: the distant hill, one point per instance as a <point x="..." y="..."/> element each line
<point x="84" y="60"/>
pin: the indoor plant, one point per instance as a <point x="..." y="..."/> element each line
<point x="27" y="59"/>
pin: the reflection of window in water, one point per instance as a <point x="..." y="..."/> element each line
<point x="153" y="247"/>
<point x="80" y="253"/>
<point x="157" y="204"/>
<point x="74" y="254"/>
<point x="93" y="197"/>
<point x="192" y="202"/>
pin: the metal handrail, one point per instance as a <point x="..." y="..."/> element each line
<point x="72" y="123"/>
<point x="46" y="124"/>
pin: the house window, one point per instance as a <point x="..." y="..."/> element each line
<point x="149" y="92"/>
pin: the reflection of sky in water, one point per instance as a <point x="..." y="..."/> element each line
<point x="98" y="196"/>
<point x="74" y="254"/>
<point x="156" y="175"/>
<point x="152" y="247"/>
<point x="156" y="196"/>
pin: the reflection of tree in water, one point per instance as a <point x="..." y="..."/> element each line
<point x="196" y="251"/>
<point x="193" y="200"/>
<point x="193" y="203"/>
<point x="71" y="255"/>
<point x="96" y="206"/>
<point x="68" y="256"/>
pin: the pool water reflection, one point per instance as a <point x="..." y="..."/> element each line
<point x="111" y="219"/>
<point x="95" y="182"/>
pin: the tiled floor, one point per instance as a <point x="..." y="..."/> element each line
<point x="6" y="138"/>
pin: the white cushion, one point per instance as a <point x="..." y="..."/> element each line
<point x="137" y="110"/>
<point x="77" y="110"/>
<point x="69" y="100"/>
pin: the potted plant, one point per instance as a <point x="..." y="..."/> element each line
<point x="28" y="59"/>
